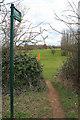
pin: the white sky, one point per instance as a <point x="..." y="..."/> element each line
<point x="43" y="10"/>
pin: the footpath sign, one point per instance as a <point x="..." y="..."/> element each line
<point x="15" y="14"/>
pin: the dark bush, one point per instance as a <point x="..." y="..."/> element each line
<point x="27" y="72"/>
<point x="5" y="66"/>
<point x="70" y="69"/>
<point x="52" y="51"/>
<point x="64" y="53"/>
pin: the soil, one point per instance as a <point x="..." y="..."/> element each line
<point x="58" y="112"/>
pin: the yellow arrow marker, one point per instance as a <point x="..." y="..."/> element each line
<point x="21" y="17"/>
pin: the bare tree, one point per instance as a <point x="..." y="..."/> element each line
<point x="24" y="32"/>
<point x="68" y="40"/>
<point x="70" y="19"/>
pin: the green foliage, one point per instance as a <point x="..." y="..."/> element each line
<point x="27" y="72"/>
<point x="0" y="117"/>
<point x="64" y="53"/>
<point x="71" y="115"/>
<point x="55" y="85"/>
<point x="70" y="69"/>
<point x="69" y="101"/>
<point x="5" y="67"/>
<point x="19" y="115"/>
<point x="29" y="104"/>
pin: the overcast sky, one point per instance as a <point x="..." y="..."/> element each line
<point x="43" y="10"/>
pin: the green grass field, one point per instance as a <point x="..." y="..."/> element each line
<point x="51" y="62"/>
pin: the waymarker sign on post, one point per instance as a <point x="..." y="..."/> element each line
<point x="15" y="14"/>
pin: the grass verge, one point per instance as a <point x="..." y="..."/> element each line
<point x="69" y="101"/>
<point x="29" y="105"/>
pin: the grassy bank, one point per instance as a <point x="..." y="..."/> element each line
<point x="69" y="101"/>
<point x="29" y="105"/>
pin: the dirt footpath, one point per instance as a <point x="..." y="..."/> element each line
<point x="56" y="105"/>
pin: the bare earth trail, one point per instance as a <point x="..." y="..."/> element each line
<point x="56" y="105"/>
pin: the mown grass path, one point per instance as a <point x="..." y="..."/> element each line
<point x="51" y="62"/>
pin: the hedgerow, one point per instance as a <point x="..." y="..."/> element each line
<point x="70" y="70"/>
<point x="27" y="72"/>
